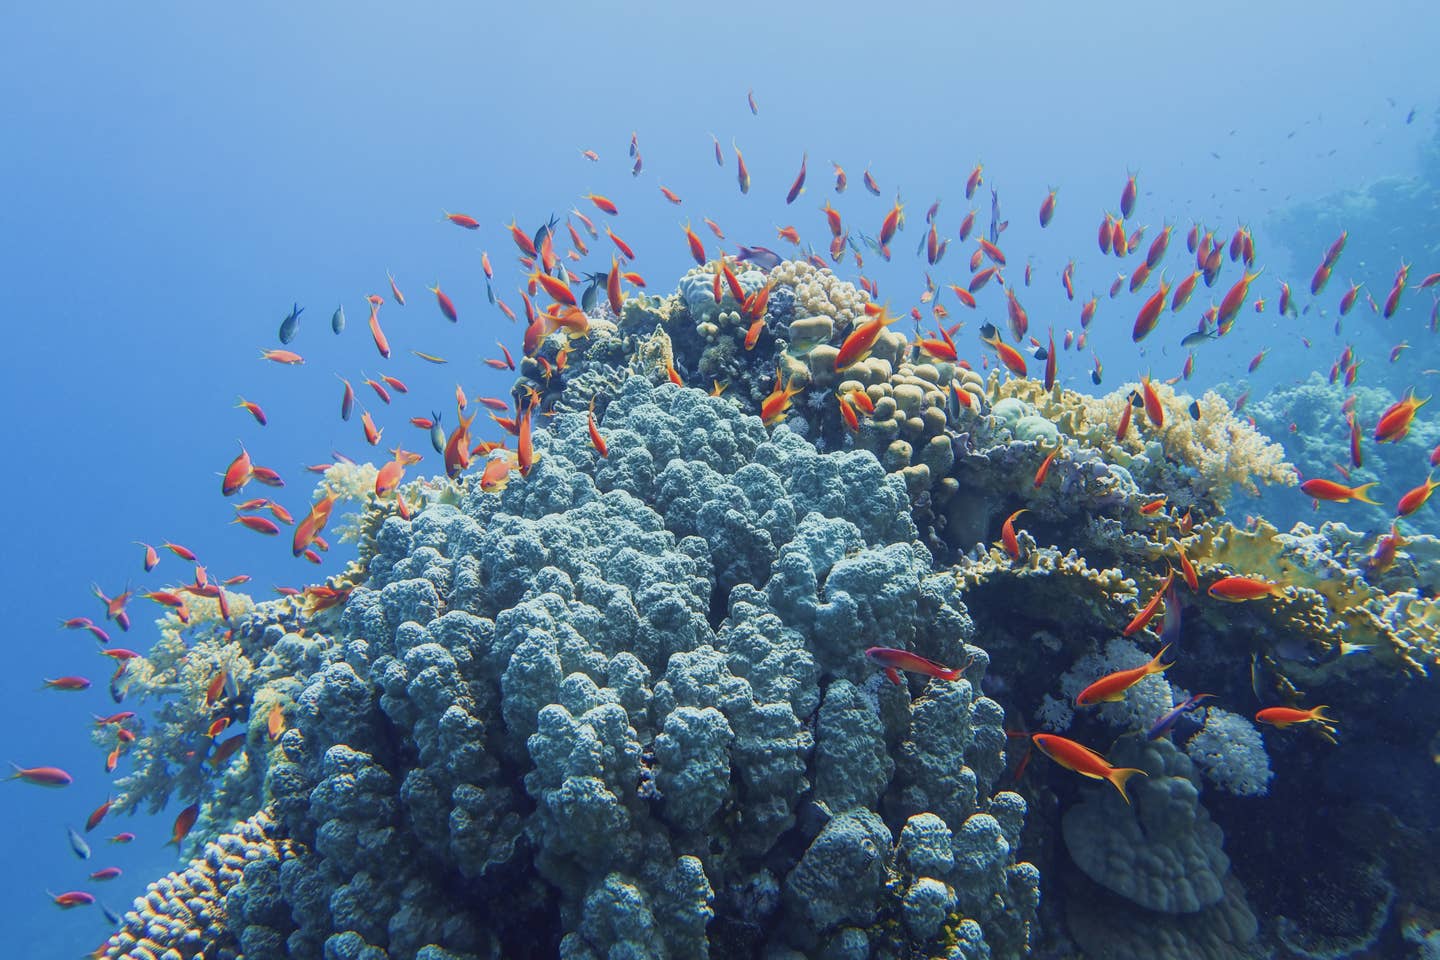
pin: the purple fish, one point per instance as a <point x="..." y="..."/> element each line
<point x="1162" y="726"/>
<point x="762" y="257"/>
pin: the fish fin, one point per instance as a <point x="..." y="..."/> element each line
<point x="1318" y="713"/>
<point x="1119" y="775"/>
<point x="1361" y="492"/>
<point x="890" y="672"/>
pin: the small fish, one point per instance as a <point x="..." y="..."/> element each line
<point x="253" y="409"/>
<point x="798" y="186"/>
<point x="78" y="844"/>
<point x="1166" y="722"/>
<point x="1329" y="490"/>
<point x="762" y="257"/>
<point x="1084" y="761"/>
<point x="1395" y="422"/>
<point x="105" y="873"/>
<point x="1416" y="498"/>
<point x="893" y="661"/>
<point x="67" y="683"/>
<point x="1237" y="589"/>
<point x="183" y="823"/>
<point x="41" y="776"/>
<point x="1007" y="535"/>
<point x="72" y="898"/>
<point x="1283" y="717"/>
<point x="1111" y="687"/>
<point x="741" y="173"/>
<point x="291" y="324"/>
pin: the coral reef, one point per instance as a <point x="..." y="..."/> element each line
<point x="591" y="708"/>
<point x="194" y="912"/>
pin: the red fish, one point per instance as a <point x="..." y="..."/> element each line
<point x="1044" y="470"/>
<point x="1238" y="589"/>
<point x="67" y="683"/>
<point x="41" y="776"/>
<point x="1395" y="422"/>
<point x="286" y="357"/>
<point x="447" y="306"/>
<point x="973" y="181"/>
<point x="1047" y="208"/>
<point x="253" y="409"/>
<point x="1153" y="408"/>
<point x="1415" y="499"/>
<point x="862" y="339"/>
<point x="1127" y="197"/>
<point x="1084" y="761"/>
<point x="1009" y="356"/>
<point x="742" y="175"/>
<point x="1111" y="687"/>
<point x="604" y="204"/>
<point x="1283" y="717"/>
<point x="1007" y="535"/>
<point x="97" y="815"/>
<point x="892" y="661"/>
<point x="799" y="185"/>
<point x="1147" y="613"/>
<point x="183" y="823"/>
<point x="394" y="290"/>
<point x="1329" y="490"/>
<point x="1234" y="299"/>
<point x="462" y="220"/>
<point x="72" y="898"/>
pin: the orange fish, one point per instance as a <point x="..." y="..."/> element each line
<point x="275" y="721"/>
<point x="1235" y="298"/>
<point x="372" y="435"/>
<point x="1009" y="356"/>
<point x="183" y="823"/>
<point x="1153" y="408"/>
<point x="847" y="413"/>
<point x="620" y="245"/>
<point x="973" y="181"/>
<point x="41" y="776"/>
<point x="862" y="339"/>
<point x="1416" y="498"/>
<point x="447" y="306"/>
<point x="1329" y="490"/>
<point x="525" y="451"/>
<point x="1111" y="687"/>
<point x="774" y="407"/>
<point x="1187" y="569"/>
<point x="382" y="344"/>
<point x="1283" y="717"/>
<point x="604" y="204"/>
<point x="282" y="356"/>
<point x="253" y="409"/>
<point x="1047" y="209"/>
<point x="394" y="290"/>
<point x="892" y="661"/>
<point x="1150" y="609"/>
<point x="1044" y="470"/>
<point x="462" y="220"/>
<point x="1008" y="537"/>
<point x="1395" y="422"/>
<point x="1239" y="589"/>
<point x="741" y="174"/>
<point x="237" y="474"/>
<point x="798" y="186"/>
<point x="1084" y="761"/>
<point x="226" y="750"/>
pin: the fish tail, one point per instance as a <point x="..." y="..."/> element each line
<point x="1155" y="666"/>
<point x="1119" y="775"/>
<point x="1318" y="713"/>
<point x="1361" y="492"/>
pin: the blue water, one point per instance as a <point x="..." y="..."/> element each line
<point x="177" y="175"/>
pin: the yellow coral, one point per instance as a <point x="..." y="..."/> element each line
<point x="1222" y="449"/>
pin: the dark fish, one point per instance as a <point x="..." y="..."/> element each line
<point x="1410" y="116"/>
<point x="489" y="293"/>
<point x="1040" y="353"/>
<point x="1199" y="336"/>
<point x="1162" y="726"/>
<point x="548" y="228"/>
<point x="291" y="324"/>
<point x="590" y="296"/>
<point x="1095" y="376"/>
<point x="437" y="433"/>
<point x="117" y="692"/>
<point x="337" y="319"/>
<point x="1194" y="409"/>
<point x="762" y="257"/>
<point x="995" y="226"/>
<point x="110" y="915"/>
<point x="988" y="331"/>
<point x="78" y="844"/>
<point x="1170" y="628"/>
<point x="1136" y="401"/>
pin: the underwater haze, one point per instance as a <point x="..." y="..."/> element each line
<point x="652" y="480"/>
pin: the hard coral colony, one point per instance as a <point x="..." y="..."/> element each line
<point x="718" y="658"/>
